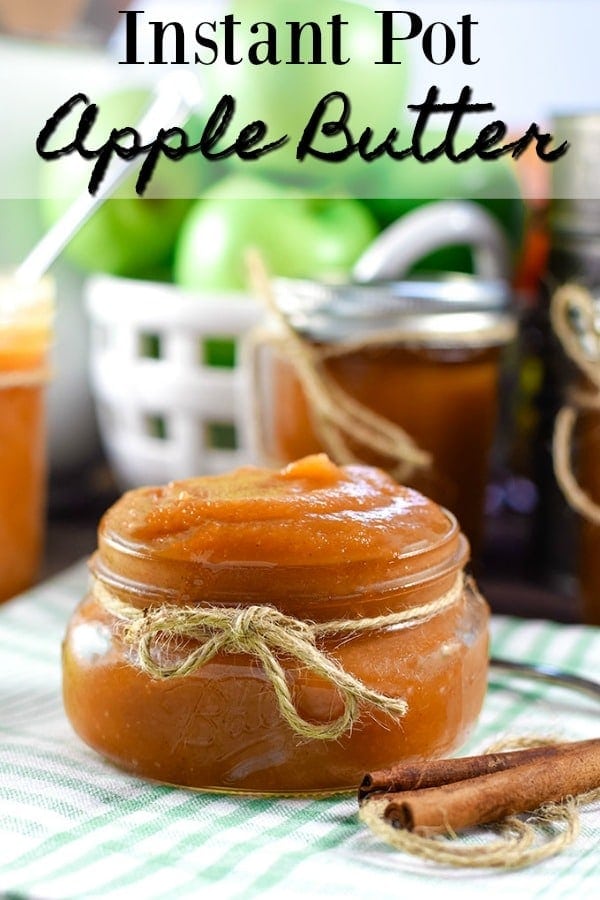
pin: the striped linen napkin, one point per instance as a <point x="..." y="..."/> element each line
<point x="71" y="826"/>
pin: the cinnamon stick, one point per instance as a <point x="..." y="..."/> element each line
<point x="435" y="772"/>
<point x="574" y="769"/>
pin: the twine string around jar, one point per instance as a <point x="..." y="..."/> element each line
<point x="267" y="635"/>
<point x="337" y="417"/>
<point x="573" y="319"/>
<point x="546" y="831"/>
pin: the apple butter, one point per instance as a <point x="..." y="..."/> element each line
<point x="324" y="547"/>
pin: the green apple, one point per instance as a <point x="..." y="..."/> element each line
<point x="298" y="237"/>
<point x="127" y="235"/>
<point x="284" y="96"/>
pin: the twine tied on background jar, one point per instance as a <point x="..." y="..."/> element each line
<point x="340" y="421"/>
<point x="573" y="316"/>
<point x="336" y="415"/>
<point x="403" y="375"/>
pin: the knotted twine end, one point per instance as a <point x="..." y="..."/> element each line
<point x="266" y="634"/>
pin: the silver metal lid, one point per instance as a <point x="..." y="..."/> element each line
<point x="439" y="310"/>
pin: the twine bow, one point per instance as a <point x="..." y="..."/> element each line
<point x="573" y="316"/>
<point x="267" y="635"/>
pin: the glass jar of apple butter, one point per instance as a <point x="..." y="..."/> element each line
<point x="25" y="333"/>
<point x="276" y="631"/>
<point x="422" y="355"/>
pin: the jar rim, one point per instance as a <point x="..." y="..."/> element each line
<point x="26" y="307"/>
<point x="437" y="308"/>
<point x="142" y="591"/>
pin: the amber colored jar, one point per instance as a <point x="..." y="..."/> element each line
<point x="567" y="545"/>
<point x="438" y="381"/>
<point x="575" y="317"/>
<point x="25" y="331"/>
<point x="319" y="543"/>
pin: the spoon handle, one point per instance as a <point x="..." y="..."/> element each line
<point x="431" y="227"/>
<point x="548" y="674"/>
<point x="174" y="99"/>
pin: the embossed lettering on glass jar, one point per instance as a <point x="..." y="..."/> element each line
<point x="274" y="566"/>
<point x="422" y="354"/>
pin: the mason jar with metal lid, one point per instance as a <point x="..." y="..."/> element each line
<point x="403" y="375"/>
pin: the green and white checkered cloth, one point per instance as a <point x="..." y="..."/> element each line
<point x="71" y="826"/>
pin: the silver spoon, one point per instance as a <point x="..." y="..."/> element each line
<point x="176" y="96"/>
<point x="548" y="674"/>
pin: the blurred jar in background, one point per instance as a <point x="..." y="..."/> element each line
<point x="76" y="20"/>
<point x="25" y="334"/>
<point x="422" y="354"/>
<point x="568" y="547"/>
<point x="39" y="17"/>
<point x="575" y="316"/>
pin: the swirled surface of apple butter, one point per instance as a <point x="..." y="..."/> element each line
<point x="309" y="529"/>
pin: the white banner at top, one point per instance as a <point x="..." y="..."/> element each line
<point x="434" y="98"/>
